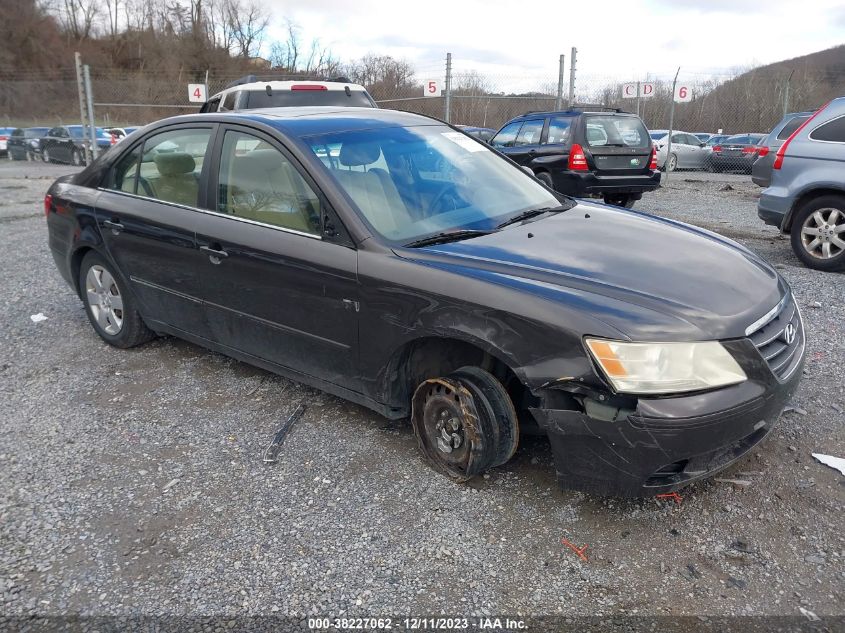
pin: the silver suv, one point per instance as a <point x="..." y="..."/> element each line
<point x="806" y="197"/>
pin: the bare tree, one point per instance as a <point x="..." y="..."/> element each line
<point x="76" y="17"/>
<point x="285" y="54"/>
<point x="247" y="24"/>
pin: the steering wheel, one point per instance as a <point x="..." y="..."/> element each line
<point x="447" y="195"/>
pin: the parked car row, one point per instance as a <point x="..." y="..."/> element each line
<point x="60" y="144"/>
<point x="712" y="152"/>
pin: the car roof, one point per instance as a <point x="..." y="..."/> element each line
<point x="309" y="120"/>
<point x="260" y="86"/>
<point x="574" y="112"/>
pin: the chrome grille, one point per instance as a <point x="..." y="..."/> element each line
<point x="780" y="340"/>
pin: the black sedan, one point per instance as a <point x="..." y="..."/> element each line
<point x="25" y="143"/>
<point x="69" y="143"/>
<point x="395" y="261"/>
<point x="736" y="153"/>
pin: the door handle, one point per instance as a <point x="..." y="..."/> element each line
<point x="214" y="255"/>
<point x="116" y="227"/>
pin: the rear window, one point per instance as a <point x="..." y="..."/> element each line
<point x="35" y="133"/>
<point x="290" y="98"/>
<point x="832" y="131"/>
<point x="658" y="135"/>
<point x="739" y="139"/>
<point x="616" y="131"/>
<point x="792" y="125"/>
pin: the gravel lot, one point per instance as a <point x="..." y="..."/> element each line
<point x="131" y="482"/>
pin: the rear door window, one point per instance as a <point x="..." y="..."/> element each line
<point x="530" y="132"/>
<point x="617" y="131"/>
<point x="125" y="172"/>
<point x="832" y="131"/>
<point x="229" y="102"/>
<point x="171" y="164"/>
<point x="791" y="125"/>
<point x="559" y="130"/>
<point x="507" y="135"/>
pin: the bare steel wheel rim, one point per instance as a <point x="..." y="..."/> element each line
<point x="104" y="300"/>
<point x="823" y="233"/>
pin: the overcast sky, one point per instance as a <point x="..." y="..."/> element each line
<point x="614" y="38"/>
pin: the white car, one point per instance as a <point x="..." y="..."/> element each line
<point x="5" y="132"/>
<point x="688" y="151"/>
<point x="249" y="94"/>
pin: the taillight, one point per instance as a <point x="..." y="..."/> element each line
<point x="48" y="204"/>
<point x="749" y="150"/>
<point x="577" y="159"/>
<point x="308" y="87"/>
<point x="113" y="139"/>
<point x="717" y="149"/>
<point x="3" y="137"/>
<point x="652" y="163"/>
<point x="782" y="149"/>
<point x="763" y="151"/>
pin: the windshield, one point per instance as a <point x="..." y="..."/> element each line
<point x="413" y="182"/>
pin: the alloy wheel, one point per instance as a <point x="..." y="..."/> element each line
<point x="104" y="300"/>
<point x="823" y="233"/>
<point x="673" y="163"/>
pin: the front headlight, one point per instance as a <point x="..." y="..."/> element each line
<point x="660" y="368"/>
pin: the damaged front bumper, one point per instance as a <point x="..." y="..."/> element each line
<point x="637" y="447"/>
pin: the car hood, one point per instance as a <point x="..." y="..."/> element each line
<point x="647" y="277"/>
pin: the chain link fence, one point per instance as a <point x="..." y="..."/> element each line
<point x="722" y="102"/>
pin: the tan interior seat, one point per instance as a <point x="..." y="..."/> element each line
<point x="176" y="180"/>
<point x="373" y="191"/>
<point x="263" y="186"/>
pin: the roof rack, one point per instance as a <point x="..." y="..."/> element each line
<point x="247" y="79"/>
<point x="578" y="109"/>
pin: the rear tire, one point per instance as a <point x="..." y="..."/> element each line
<point x="818" y="233"/>
<point x="672" y="162"/>
<point x="620" y="200"/>
<point x="110" y="307"/>
<point x="76" y="158"/>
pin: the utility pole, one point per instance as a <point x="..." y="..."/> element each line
<point x="671" y="124"/>
<point x="90" y="98"/>
<point x="638" y="98"/>
<point x="447" y="101"/>
<point x="572" y="58"/>
<point x="80" y="87"/>
<point x="561" y="68"/>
